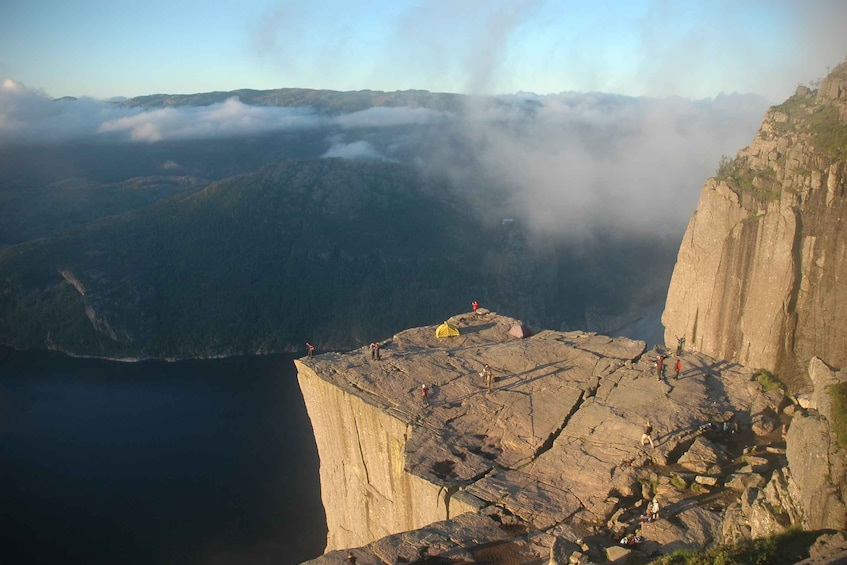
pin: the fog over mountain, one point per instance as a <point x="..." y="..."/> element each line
<point x="567" y="163"/>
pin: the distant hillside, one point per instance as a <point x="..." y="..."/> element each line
<point x="335" y="251"/>
<point x="328" y="101"/>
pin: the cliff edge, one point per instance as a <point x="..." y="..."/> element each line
<point x="550" y="459"/>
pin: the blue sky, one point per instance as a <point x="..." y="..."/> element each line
<point x="693" y="49"/>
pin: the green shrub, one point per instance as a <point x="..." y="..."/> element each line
<point x="740" y="176"/>
<point x="788" y="547"/>
<point x="838" y="395"/>
<point x="769" y="381"/>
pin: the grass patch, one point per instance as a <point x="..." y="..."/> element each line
<point x="838" y="396"/>
<point x="769" y="381"/>
<point x="679" y="483"/>
<point x="761" y="183"/>
<point x="788" y="547"/>
<point x="829" y="133"/>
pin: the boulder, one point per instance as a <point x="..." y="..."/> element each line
<point x="818" y="467"/>
<point x="742" y="481"/>
<point x="701" y="456"/>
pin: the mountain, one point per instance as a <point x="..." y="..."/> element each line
<point x="334" y="251"/>
<point x="331" y="102"/>
<point x="759" y="275"/>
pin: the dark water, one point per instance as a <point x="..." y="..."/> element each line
<point x="194" y="462"/>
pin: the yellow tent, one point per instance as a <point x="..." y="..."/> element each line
<point x="446" y="330"/>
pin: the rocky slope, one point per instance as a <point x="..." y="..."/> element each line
<point x="550" y="460"/>
<point x="757" y="275"/>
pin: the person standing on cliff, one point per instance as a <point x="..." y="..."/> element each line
<point x="475" y="307"/>
<point x="424" y="396"/>
<point x="373" y="351"/>
<point x="311" y="349"/>
<point x="660" y="366"/>
<point x="351" y="559"/>
<point x="680" y="345"/>
<point x="489" y="377"/>
<point x="678" y="368"/>
<point x="376" y="350"/>
<point x="647" y="436"/>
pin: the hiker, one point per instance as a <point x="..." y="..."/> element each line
<point x="680" y="345"/>
<point x="475" y="307"/>
<point x="647" y="436"/>
<point x="678" y="368"/>
<point x="373" y="351"/>
<point x="376" y="349"/>
<point x="311" y="349"/>
<point x="351" y="559"/>
<point x="424" y="396"/>
<point x="660" y="366"/>
<point x="653" y="510"/>
<point x="489" y="378"/>
<point x="631" y="539"/>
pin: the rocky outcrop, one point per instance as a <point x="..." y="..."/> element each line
<point x="817" y="463"/>
<point x="757" y="275"/>
<point x="551" y="456"/>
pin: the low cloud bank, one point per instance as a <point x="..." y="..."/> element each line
<point x="573" y="164"/>
<point x="568" y="164"/>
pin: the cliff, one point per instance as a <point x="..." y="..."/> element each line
<point x="549" y="460"/>
<point x="759" y="271"/>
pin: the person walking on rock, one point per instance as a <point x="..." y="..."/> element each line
<point x="647" y="436"/>
<point x="373" y="351"/>
<point x="678" y="368"/>
<point x="424" y="395"/>
<point x="660" y="366"/>
<point x="489" y="377"/>
<point x="351" y="559"/>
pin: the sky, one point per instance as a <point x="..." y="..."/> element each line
<point x="689" y="48"/>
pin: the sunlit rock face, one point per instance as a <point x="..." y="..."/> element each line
<point x="552" y="450"/>
<point x="759" y="275"/>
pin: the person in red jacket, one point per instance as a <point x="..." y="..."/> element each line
<point x="311" y="349"/>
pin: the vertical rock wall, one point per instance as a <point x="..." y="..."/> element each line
<point x="760" y="270"/>
<point x="365" y="491"/>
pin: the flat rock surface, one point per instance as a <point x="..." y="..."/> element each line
<point x="556" y="438"/>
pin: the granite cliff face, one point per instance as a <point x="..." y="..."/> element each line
<point x="759" y="273"/>
<point x="549" y="460"/>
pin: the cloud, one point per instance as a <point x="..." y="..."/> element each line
<point x="566" y="164"/>
<point x="354" y="150"/>
<point x="229" y="118"/>
<point x="572" y="164"/>
<point x="30" y="115"/>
